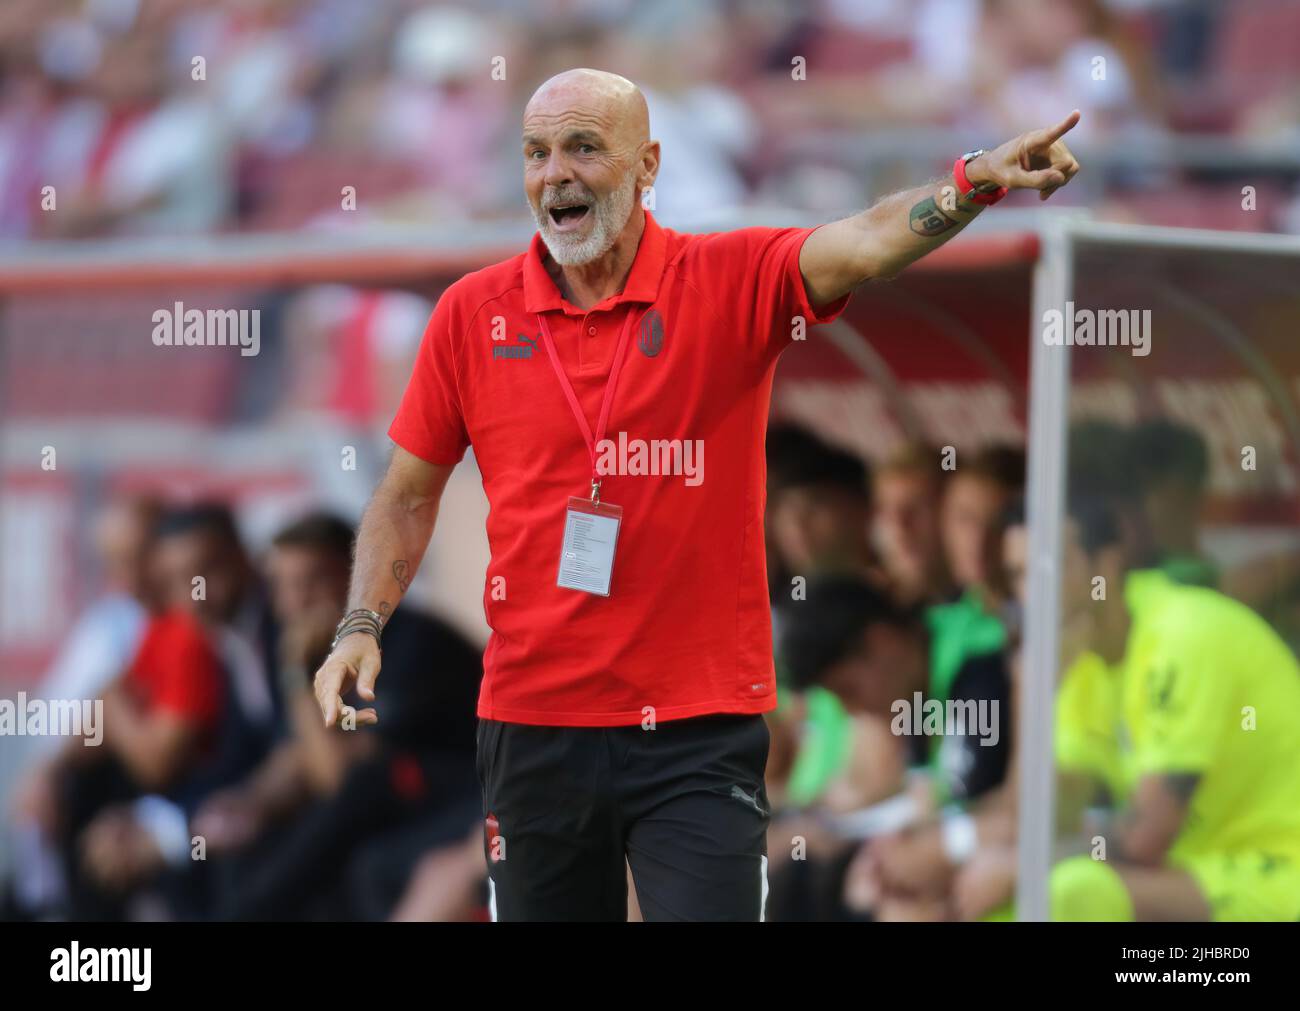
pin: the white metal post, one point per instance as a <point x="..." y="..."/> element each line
<point x="1049" y="394"/>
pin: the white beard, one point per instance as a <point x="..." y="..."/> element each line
<point x="611" y="213"/>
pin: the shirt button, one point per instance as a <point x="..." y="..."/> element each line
<point x="591" y="330"/>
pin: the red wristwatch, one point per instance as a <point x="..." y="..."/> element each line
<point x="968" y="192"/>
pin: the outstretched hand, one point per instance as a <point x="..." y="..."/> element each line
<point x="1038" y="160"/>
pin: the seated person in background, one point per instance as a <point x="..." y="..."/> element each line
<point x="1173" y="468"/>
<point x="818" y="520"/>
<point x="976" y="496"/>
<point x="1102" y="465"/>
<point x="200" y="567"/>
<point x="1205" y="713"/>
<point x="107" y="635"/>
<point x="1083" y="742"/>
<point x="1172" y="465"/>
<point x="389" y="794"/>
<point x="203" y="540"/>
<point x="818" y="507"/>
<point x="1209" y="713"/>
<point x="818" y="514"/>
<point x="877" y="659"/>
<point x="975" y="500"/>
<point x="907" y="491"/>
<point x="160" y="720"/>
<point x="97" y="650"/>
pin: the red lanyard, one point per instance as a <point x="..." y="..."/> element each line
<point x="610" y="384"/>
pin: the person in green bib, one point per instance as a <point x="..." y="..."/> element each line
<point x="850" y="640"/>
<point x="969" y="624"/>
<point x="961" y="644"/>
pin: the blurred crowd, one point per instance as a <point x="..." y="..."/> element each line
<point x="177" y="117"/>
<point x="907" y="583"/>
<point x="217" y="791"/>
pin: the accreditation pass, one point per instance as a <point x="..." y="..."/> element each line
<point x="587" y="555"/>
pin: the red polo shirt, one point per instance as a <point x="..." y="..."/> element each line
<point x="686" y="629"/>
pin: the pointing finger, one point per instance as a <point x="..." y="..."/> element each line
<point x="1046" y="138"/>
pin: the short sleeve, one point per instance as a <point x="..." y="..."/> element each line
<point x="430" y="423"/>
<point x="1178" y="709"/>
<point x="757" y="284"/>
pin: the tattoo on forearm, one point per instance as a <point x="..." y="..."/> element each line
<point x="928" y="220"/>
<point x="402" y="573"/>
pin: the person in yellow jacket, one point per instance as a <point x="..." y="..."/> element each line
<point x="1204" y="762"/>
<point x="1179" y="709"/>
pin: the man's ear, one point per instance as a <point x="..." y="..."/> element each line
<point x="649" y="168"/>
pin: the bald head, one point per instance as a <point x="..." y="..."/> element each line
<point x="613" y="101"/>
<point x="587" y="155"/>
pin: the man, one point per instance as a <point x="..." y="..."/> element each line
<point x="99" y="648"/>
<point x="203" y="574"/>
<point x="625" y="590"/>
<point x="160" y="722"/>
<point x="204" y="568"/>
<point x="1182" y="709"/>
<point x="976" y="497"/>
<point x="1208" y="715"/>
<point x="819" y="506"/>
<point x="908" y="492"/>
<point x="1174" y="473"/>
<point x="107" y="634"/>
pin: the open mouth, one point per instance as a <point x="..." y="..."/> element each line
<point x="567" y="216"/>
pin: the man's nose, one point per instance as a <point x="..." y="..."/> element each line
<point x="558" y="170"/>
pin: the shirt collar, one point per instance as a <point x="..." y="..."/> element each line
<point x="542" y="295"/>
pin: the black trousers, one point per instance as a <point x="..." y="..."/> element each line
<point x="683" y="803"/>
